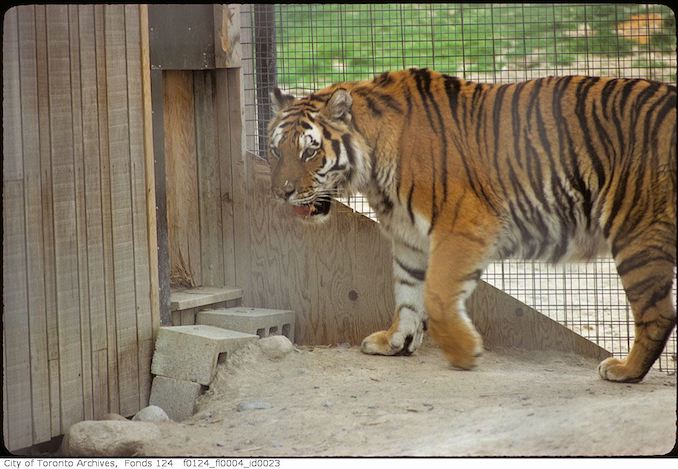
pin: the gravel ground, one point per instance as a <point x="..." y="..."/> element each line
<point x="335" y="401"/>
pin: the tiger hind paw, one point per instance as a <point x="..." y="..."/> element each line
<point x="614" y="369"/>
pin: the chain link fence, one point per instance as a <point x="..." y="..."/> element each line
<point x="304" y="47"/>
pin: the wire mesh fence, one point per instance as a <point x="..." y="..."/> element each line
<point x="304" y="47"/>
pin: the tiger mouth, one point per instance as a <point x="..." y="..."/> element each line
<point x="316" y="208"/>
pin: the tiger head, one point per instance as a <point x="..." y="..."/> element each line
<point x="315" y="151"/>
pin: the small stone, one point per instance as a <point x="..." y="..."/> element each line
<point x="276" y="346"/>
<point x="152" y="413"/>
<point x="253" y="405"/>
<point x="107" y="438"/>
<point x="327" y="403"/>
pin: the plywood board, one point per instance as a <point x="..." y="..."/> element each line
<point x="160" y="180"/>
<point x="239" y="162"/>
<point x="226" y="143"/>
<point x="149" y="170"/>
<point x="182" y="36"/>
<point x="16" y="350"/>
<point x="139" y="209"/>
<point x="337" y="294"/>
<point x="76" y="246"/>
<point x="182" y="179"/>
<point x="188" y="298"/>
<point x="100" y="383"/>
<point x="121" y="205"/>
<point x="106" y="210"/>
<point x="46" y="197"/>
<point x="30" y="125"/>
<point x="503" y="321"/>
<point x="209" y="179"/>
<point x="12" y="165"/>
<point x="80" y="209"/>
<point x="372" y="281"/>
<point x="93" y="211"/>
<point x="65" y="233"/>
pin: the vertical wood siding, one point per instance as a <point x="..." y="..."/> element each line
<point x="78" y="315"/>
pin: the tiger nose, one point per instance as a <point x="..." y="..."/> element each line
<point x="285" y="190"/>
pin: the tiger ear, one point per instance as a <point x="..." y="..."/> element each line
<point x="339" y="105"/>
<point x="279" y="100"/>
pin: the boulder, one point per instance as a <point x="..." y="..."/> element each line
<point x="107" y="438"/>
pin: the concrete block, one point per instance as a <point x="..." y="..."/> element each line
<point x="191" y="353"/>
<point x="259" y="321"/>
<point x="176" y="397"/>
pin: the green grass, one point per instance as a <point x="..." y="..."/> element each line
<point x="320" y="44"/>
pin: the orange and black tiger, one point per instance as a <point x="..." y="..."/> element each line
<point x="461" y="173"/>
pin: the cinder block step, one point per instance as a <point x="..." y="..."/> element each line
<point x="176" y="397"/>
<point x="187" y="298"/>
<point x="259" y="321"/>
<point x="191" y="353"/>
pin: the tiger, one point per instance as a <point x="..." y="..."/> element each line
<point x="462" y="173"/>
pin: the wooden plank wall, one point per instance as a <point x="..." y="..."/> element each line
<point x="78" y="315"/>
<point x="198" y="179"/>
<point x="337" y="277"/>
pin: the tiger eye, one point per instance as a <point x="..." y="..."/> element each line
<point x="309" y="153"/>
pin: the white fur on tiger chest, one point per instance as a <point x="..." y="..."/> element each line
<point x="397" y="223"/>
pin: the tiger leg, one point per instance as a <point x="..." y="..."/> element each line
<point x="407" y="328"/>
<point x="647" y="276"/>
<point x="455" y="266"/>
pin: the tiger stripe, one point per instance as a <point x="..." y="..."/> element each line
<point x="458" y="173"/>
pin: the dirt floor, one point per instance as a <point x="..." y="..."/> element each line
<point x="335" y="401"/>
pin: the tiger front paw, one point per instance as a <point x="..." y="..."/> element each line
<point x="614" y="369"/>
<point x="462" y="346"/>
<point x="387" y="343"/>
